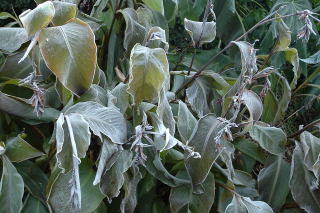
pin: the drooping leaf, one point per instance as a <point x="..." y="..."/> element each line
<point x="17" y="150"/>
<point x="11" y="188"/>
<point x="302" y="183"/>
<point x="12" y="38"/>
<point x="70" y="53"/>
<point x="156" y="38"/>
<point x="283" y="103"/>
<point x="59" y="196"/>
<point x="271" y="139"/>
<point x="246" y="205"/>
<point x="314" y="59"/>
<point x="200" y="32"/>
<point x="186" y="122"/>
<point x="204" y="140"/>
<point x="38" y="18"/>
<point x="165" y="114"/>
<point x="64" y="12"/>
<point x="273" y="183"/>
<point x="102" y="120"/>
<point x="198" y="94"/>
<point x="149" y="73"/>
<point x="284" y="37"/>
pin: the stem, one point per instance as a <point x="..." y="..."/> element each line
<point x="192" y="60"/>
<point x="262" y="22"/>
<point x="308" y="126"/>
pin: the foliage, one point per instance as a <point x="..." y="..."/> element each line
<point x="122" y="105"/>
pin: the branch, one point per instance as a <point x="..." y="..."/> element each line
<point x="262" y="22"/>
<point x="308" y="126"/>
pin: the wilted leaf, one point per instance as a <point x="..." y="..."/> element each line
<point x="102" y="120"/>
<point x="64" y="12"/>
<point x="11" y="188"/>
<point x="204" y="140"/>
<point x="149" y="73"/>
<point x="271" y="139"/>
<point x="18" y="150"/>
<point x="38" y="18"/>
<point x="70" y="53"/>
<point x="12" y="38"/>
<point x="302" y="183"/>
<point x="200" y="32"/>
<point x="186" y="122"/>
<point x="273" y="183"/>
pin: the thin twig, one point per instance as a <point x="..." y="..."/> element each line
<point x="262" y="22"/>
<point x="308" y="126"/>
<point x="192" y="60"/>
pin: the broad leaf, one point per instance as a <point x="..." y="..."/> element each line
<point x="12" y="38"/>
<point x="123" y="98"/>
<point x="156" y="5"/>
<point x="33" y="205"/>
<point x="251" y="149"/>
<point x="302" y="183"/>
<point x="165" y="114"/>
<point x="18" y="150"/>
<point x="271" y="139"/>
<point x="204" y="140"/>
<point x="186" y="122"/>
<point x="200" y="32"/>
<point x="246" y="205"/>
<point x="102" y="120"/>
<point x="64" y="12"/>
<point x="11" y="188"/>
<point x="314" y="59"/>
<point x="38" y="18"/>
<point x="70" y="53"/>
<point x="273" y="183"/>
<point x="149" y="73"/>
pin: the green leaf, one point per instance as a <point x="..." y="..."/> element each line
<point x="271" y="139"/>
<point x="38" y="18"/>
<point x="170" y="9"/>
<point x="64" y="12"/>
<point x="11" y="188"/>
<point x="204" y="140"/>
<point x="284" y="101"/>
<point x="12" y="69"/>
<point x="311" y="149"/>
<point x="149" y="73"/>
<point x="59" y="196"/>
<point x="241" y="204"/>
<point x="198" y="94"/>
<point x="284" y="37"/>
<point x="70" y="53"/>
<point x="302" y="183"/>
<point x="102" y="120"/>
<point x="123" y="98"/>
<point x="34" y="205"/>
<point x="270" y="107"/>
<point x="18" y="150"/>
<point x="251" y="149"/>
<point x="12" y="38"/>
<point x="191" y="9"/>
<point x="273" y="183"/>
<point x="5" y="15"/>
<point x="165" y="114"/>
<point x="200" y="32"/>
<point x="156" y="5"/>
<point x="314" y="59"/>
<point x="186" y="122"/>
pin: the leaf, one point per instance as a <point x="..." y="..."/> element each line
<point x="284" y="101"/>
<point x="198" y="94"/>
<point x="113" y="179"/>
<point x="59" y="196"/>
<point x="11" y="188"/>
<point x="38" y="18"/>
<point x="123" y="98"/>
<point x="70" y="53"/>
<point x="18" y="150"/>
<point x="34" y="178"/>
<point x="204" y="140"/>
<point x="5" y="15"/>
<point x="186" y="122"/>
<point x="64" y="12"/>
<point x="156" y="5"/>
<point x="191" y="9"/>
<point x="149" y="73"/>
<point x="270" y="107"/>
<point x="271" y="139"/>
<point x="311" y="149"/>
<point x="156" y="38"/>
<point x="102" y="120"/>
<point x="302" y="183"/>
<point x="241" y="204"/>
<point x="273" y="183"/>
<point x="284" y="32"/>
<point x="314" y="59"/>
<point x="12" y="38"/>
<point x="248" y="57"/>
<point x="18" y="108"/>
<point x="108" y="156"/>
<point x="165" y="114"/>
<point x="12" y="69"/>
<point x="170" y="9"/>
<point x="135" y="32"/>
<point x="33" y="205"/>
<point x="251" y="149"/>
<point x="200" y="32"/>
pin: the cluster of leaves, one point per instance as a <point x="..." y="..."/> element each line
<point x="100" y="113"/>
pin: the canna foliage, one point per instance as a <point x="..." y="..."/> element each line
<point x="120" y="109"/>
